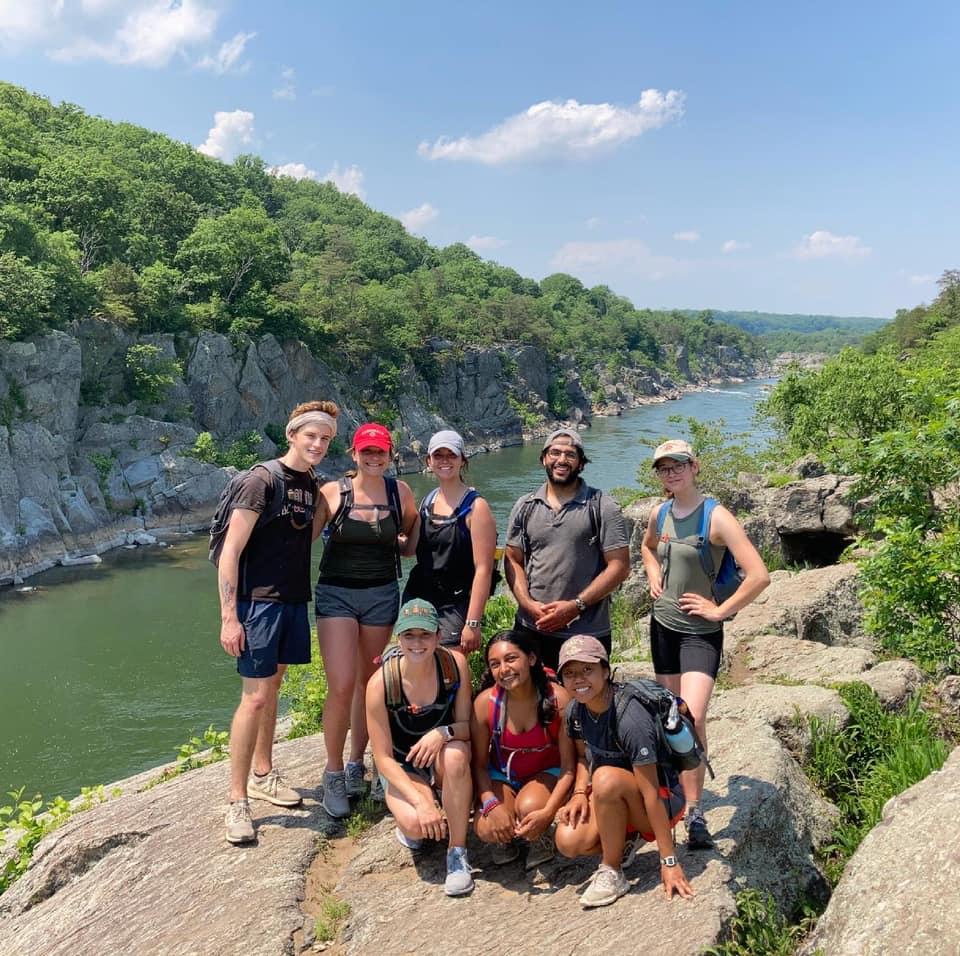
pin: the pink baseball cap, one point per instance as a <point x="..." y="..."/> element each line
<point x="372" y="436"/>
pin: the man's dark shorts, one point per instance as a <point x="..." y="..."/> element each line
<point x="274" y="633"/>
<point x="549" y="644"/>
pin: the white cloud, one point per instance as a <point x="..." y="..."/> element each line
<point x="151" y="35"/>
<point x="415" y="219"/>
<point x="733" y="245"/>
<point x="921" y="279"/>
<point x="21" y="21"/>
<point x="227" y="57"/>
<point x="593" y="222"/>
<point x="349" y="180"/>
<point x="288" y="91"/>
<point x="690" y="235"/>
<point x="551" y="130"/>
<point x="629" y="255"/>
<point x="825" y="245"/>
<point x="294" y="171"/>
<point x="230" y="131"/>
<point x="485" y="243"/>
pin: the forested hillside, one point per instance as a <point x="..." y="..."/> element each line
<point x="112" y="220"/>
<point x="803" y="333"/>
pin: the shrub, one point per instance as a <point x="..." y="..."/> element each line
<point x="149" y="374"/>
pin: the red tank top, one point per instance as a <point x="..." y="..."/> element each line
<point x="521" y="756"/>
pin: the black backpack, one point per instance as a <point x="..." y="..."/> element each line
<point x="276" y="500"/>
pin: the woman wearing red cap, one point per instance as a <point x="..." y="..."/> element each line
<point x="357" y="599"/>
<point x="686" y="627"/>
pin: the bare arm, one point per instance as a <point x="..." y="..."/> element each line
<point x="483" y="536"/>
<point x="558" y="614"/>
<point x="648" y="554"/>
<point x="480" y="745"/>
<point x="321" y="515"/>
<point x="242" y="523"/>
<point x="381" y="743"/>
<point x="673" y="877"/>
<point x="516" y="576"/>
<point x="577" y="809"/>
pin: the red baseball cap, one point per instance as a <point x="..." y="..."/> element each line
<point x="372" y="436"/>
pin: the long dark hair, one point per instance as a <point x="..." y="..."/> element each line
<point x="546" y="699"/>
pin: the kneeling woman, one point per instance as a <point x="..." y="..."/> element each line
<point x="523" y="763"/>
<point x="623" y="786"/>
<point x="418" y="717"/>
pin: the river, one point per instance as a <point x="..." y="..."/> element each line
<point x="109" y="668"/>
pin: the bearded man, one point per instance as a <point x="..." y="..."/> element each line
<point x="567" y="551"/>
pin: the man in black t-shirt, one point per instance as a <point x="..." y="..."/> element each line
<point x="264" y="583"/>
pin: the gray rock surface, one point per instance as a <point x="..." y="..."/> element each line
<point x="899" y="892"/>
<point x="778" y="659"/>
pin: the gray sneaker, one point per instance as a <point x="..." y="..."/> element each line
<point x="356" y="785"/>
<point x="272" y="788"/>
<point x="239" y="822"/>
<point x="631" y="850"/>
<point x="698" y="836"/>
<point x="335" y="800"/>
<point x="503" y="853"/>
<point x="459" y="880"/>
<point x="606" y="887"/>
<point x="542" y="850"/>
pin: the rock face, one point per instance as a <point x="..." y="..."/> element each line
<point x="898" y="893"/>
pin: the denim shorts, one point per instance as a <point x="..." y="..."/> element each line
<point x="375" y="606"/>
<point x="274" y="633"/>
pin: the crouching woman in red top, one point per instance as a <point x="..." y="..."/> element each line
<point x="523" y="762"/>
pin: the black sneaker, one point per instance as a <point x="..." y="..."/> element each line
<point x="698" y="836"/>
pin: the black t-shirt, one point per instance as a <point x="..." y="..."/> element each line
<point x="633" y="744"/>
<point x="275" y="564"/>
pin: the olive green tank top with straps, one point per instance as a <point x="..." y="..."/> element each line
<point x="683" y="572"/>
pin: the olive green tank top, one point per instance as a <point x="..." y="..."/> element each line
<point x="683" y="572"/>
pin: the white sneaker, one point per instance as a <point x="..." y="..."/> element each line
<point x="606" y="887"/>
<point x="459" y="880"/>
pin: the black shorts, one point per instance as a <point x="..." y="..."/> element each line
<point x="548" y="645"/>
<point x="676" y="653"/>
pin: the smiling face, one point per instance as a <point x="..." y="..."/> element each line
<point x="562" y="462"/>
<point x="509" y="665"/>
<point x="586" y="682"/>
<point x="445" y="464"/>
<point x="311" y="443"/>
<point x="417" y="644"/>
<point x="677" y="474"/>
<point x="371" y="460"/>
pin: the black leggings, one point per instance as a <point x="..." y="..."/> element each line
<point x="674" y="652"/>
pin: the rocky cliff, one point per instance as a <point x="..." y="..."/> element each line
<point x="84" y="468"/>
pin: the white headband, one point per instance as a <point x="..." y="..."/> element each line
<point x="311" y="418"/>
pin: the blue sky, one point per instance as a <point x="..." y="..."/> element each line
<point x="777" y="157"/>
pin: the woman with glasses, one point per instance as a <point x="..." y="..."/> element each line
<point x="686" y="626"/>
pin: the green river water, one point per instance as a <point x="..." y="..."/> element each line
<point x="107" y="669"/>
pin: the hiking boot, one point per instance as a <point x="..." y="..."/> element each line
<point x="271" y="787"/>
<point x="356" y="785"/>
<point x="542" y="850"/>
<point x="239" y="822"/>
<point x="411" y="844"/>
<point x="459" y="880"/>
<point x="606" y="887"/>
<point x="698" y="836"/>
<point x="631" y="850"/>
<point x="335" y="800"/>
<point x="503" y="853"/>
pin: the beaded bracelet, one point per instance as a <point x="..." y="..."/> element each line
<point x="488" y="806"/>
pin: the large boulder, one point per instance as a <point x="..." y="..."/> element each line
<point x="898" y="893"/>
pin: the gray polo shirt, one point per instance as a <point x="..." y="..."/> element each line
<point x="563" y="558"/>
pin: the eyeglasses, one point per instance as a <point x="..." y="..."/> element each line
<point x="556" y="454"/>
<point x="664" y="470"/>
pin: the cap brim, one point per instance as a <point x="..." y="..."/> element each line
<point x="585" y="659"/>
<point x="679" y="456"/>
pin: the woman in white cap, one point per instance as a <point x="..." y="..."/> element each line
<point x="454" y="541"/>
<point x="684" y="548"/>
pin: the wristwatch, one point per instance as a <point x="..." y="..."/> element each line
<point x="669" y="861"/>
<point x="581" y="604"/>
<point x="446" y="731"/>
<point x="471" y="623"/>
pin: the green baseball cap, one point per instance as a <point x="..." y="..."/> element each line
<point x="417" y="615"/>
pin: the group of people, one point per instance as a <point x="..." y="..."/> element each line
<point x="549" y="756"/>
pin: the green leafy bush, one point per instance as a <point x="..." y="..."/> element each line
<point x="760" y="929"/>
<point x="304" y="687"/>
<point x="149" y="374"/>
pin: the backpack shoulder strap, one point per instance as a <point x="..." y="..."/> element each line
<point x="426" y="503"/>
<point x="276" y="489"/>
<point x="523" y="515"/>
<point x="465" y="507"/>
<point x="396" y="506"/>
<point x="593" y="508"/>
<point x="449" y="671"/>
<point x="392" y="681"/>
<point x="662" y="513"/>
<point x="346" y="503"/>
<point x="703" y="545"/>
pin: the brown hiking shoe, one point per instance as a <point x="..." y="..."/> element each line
<point x="272" y="788"/>
<point x="239" y="822"/>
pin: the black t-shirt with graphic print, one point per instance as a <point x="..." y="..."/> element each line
<point x="633" y="744"/>
<point x="275" y="564"/>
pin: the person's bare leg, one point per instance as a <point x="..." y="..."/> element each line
<point x="244" y="730"/>
<point x="337" y="637"/>
<point x="456" y="792"/>
<point x="263" y="752"/>
<point x="696" y="689"/>
<point x="370" y="645"/>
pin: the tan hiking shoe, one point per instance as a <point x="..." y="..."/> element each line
<point x="239" y="822"/>
<point x="272" y="788"/>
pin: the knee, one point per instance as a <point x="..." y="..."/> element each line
<point x="607" y="783"/>
<point x="255" y="703"/>
<point x="528" y="802"/>
<point x="339" y="692"/>
<point x="568" y="842"/>
<point x="456" y="762"/>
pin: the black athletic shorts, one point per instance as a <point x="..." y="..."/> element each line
<point x="548" y="645"/>
<point x="676" y="653"/>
